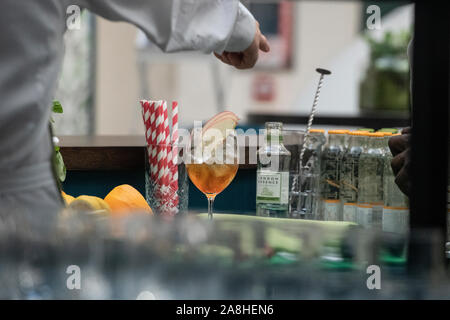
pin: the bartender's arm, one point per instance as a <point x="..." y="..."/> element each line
<point x="224" y="27"/>
<point x="401" y="151"/>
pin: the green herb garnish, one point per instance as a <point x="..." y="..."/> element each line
<point x="58" y="161"/>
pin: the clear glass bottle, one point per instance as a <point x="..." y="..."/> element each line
<point x="320" y="140"/>
<point x="330" y="208"/>
<point x="346" y="141"/>
<point x="272" y="190"/>
<point x="304" y="205"/>
<point x="396" y="205"/>
<point x="349" y="174"/>
<point x="370" y="192"/>
<point x="293" y="141"/>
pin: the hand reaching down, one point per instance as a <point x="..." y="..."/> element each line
<point x="247" y="58"/>
<point x="400" y="164"/>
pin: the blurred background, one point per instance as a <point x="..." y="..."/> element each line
<point x="110" y="66"/>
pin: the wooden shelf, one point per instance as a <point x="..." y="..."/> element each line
<point x="102" y="153"/>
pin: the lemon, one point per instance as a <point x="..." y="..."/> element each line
<point x="67" y="198"/>
<point x="90" y="203"/>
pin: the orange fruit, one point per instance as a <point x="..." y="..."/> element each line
<point x="125" y="199"/>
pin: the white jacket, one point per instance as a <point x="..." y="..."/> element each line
<point x="31" y="51"/>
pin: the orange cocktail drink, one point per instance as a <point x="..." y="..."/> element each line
<point x="211" y="179"/>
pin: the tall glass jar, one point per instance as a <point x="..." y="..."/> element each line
<point x="370" y="191"/>
<point x="396" y="205"/>
<point x="349" y="179"/>
<point x="330" y="176"/>
<point x="304" y="184"/>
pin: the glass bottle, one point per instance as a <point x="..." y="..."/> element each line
<point x="370" y="192"/>
<point x="349" y="181"/>
<point x="320" y="138"/>
<point x="346" y="141"/>
<point x="272" y="191"/>
<point x="396" y="205"/>
<point x="304" y="205"/>
<point x="329" y="176"/>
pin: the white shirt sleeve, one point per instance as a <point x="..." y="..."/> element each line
<point x="176" y="25"/>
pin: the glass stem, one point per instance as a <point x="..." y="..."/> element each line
<point x="210" y="205"/>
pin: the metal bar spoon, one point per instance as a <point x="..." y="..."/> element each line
<point x="322" y="72"/>
<point x="295" y="187"/>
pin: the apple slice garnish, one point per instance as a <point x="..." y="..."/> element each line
<point x="222" y="122"/>
<point x="213" y="134"/>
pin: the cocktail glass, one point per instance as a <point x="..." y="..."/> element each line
<point x="212" y="166"/>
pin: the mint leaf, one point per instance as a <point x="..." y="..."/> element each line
<point x="60" y="167"/>
<point x="57" y="107"/>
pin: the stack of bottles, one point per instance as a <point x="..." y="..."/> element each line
<point x="349" y="179"/>
<point x="357" y="183"/>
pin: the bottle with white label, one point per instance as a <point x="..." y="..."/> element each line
<point x="272" y="185"/>
<point x="330" y="176"/>
<point x="349" y="174"/>
<point x="396" y="205"/>
<point x="370" y="192"/>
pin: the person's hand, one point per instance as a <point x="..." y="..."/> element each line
<point x="248" y="58"/>
<point x="400" y="164"/>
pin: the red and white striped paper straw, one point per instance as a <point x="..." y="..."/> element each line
<point x="161" y="158"/>
<point x="167" y="149"/>
<point x="174" y="142"/>
<point x="152" y="142"/>
<point x="148" y="117"/>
